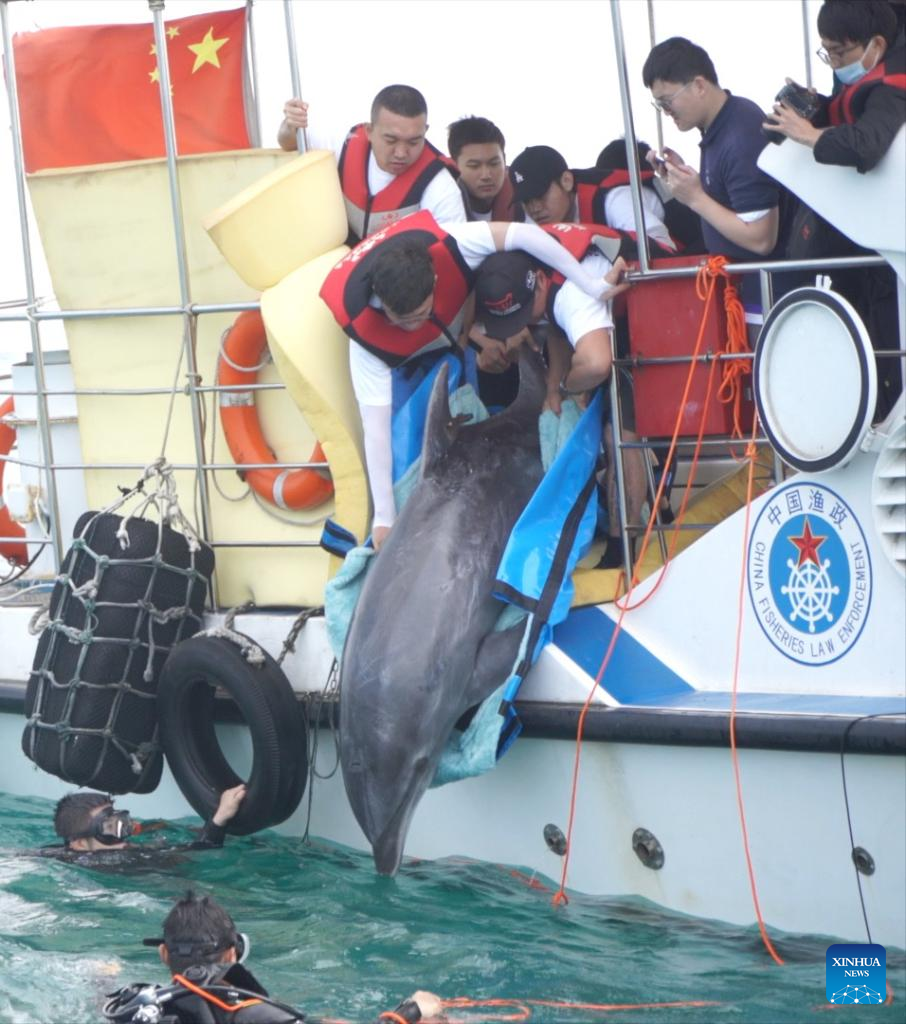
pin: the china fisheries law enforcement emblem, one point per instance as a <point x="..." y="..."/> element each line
<point x="809" y="574"/>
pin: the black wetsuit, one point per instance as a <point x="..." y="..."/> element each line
<point x="233" y="984"/>
<point x="211" y="837"/>
<point x="228" y="983"/>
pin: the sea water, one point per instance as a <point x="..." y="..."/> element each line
<point x="332" y="937"/>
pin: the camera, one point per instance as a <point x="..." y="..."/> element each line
<point x="799" y="99"/>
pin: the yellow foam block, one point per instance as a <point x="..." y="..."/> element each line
<point x="289" y="217"/>
<point x="312" y="356"/>
<point x="595" y="586"/>
<point x="108" y="238"/>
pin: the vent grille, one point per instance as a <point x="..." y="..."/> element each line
<point x="889" y="498"/>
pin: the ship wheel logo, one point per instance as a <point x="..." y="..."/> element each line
<point x="809" y="573"/>
<point x="809" y="586"/>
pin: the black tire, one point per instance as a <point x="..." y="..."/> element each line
<point x="265" y="701"/>
<point x="293" y="740"/>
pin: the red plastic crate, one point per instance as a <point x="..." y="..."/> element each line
<point x="664" y="320"/>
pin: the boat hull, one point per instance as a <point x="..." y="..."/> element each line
<point x="683" y="795"/>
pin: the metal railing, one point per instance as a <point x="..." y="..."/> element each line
<point x="189" y="311"/>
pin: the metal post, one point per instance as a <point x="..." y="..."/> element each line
<point x="652" y="42"/>
<point x="253" y="65"/>
<point x="766" y="285"/>
<point x="301" y="133"/>
<point x="635" y="177"/>
<point x="652" y="493"/>
<point x="37" y="354"/>
<point x="807" y="43"/>
<point x="616" y="426"/>
<point x="190" y="321"/>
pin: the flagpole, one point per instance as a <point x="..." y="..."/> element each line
<point x="43" y="418"/>
<point x="253" y="61"/>
<point x="301" y="133"/>
<point x="189" y="317"/>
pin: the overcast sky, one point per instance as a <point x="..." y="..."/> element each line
<point x="544" y="72"/>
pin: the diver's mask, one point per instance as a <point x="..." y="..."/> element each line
<point x="200" y="949"/>
<point x="110" y="827"/>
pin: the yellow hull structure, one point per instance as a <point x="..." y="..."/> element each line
<point x="107" y="235"/>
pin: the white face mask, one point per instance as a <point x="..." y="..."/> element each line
<point x="850" y="73"/>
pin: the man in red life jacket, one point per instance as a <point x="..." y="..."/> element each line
<point x="405" y="291"/>
<point x="856" y="126"/>
<point x="683" y="227"/>
<point x="515" y="291"/>
<point x="551" y="193"/>
<point x="862" y="42"/>
<point x="387" y="167"/>
<point x="477" y="147"/>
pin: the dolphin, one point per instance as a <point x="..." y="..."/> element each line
<point x="421" y="647"/>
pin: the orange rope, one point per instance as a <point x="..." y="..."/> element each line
<point x="734" y="754"/>
<point x="731" y="389"/>
<point x="211" y="998"/>
<point x="704" y="286"/>
<point x="522" y="1007"/>
<point x="705" y="283"/>
<point x="684" y="504"/>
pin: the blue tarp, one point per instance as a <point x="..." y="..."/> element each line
<point x="554" y="531"/>
<point x="550" y="537"/>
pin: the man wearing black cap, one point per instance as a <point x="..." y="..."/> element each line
<point x="551" y="193"/>
<point x="515" y="291"/>
<point x="405" y="291"/>
<point x="206" y="957"/>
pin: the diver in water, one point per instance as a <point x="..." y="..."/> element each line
<point x="210" y="983"/>
<point x="94" y="831"/>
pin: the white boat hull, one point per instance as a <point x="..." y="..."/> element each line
<point x="685" y="796"/>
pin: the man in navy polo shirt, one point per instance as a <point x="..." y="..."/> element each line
<point x="739" y="205"/>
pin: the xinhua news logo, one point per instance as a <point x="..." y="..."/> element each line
<point x="856" y="973"/>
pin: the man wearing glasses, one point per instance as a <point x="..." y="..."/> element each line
<point x="739" y="205"/>
<point x="859" y="41"/>
<point x="863" y="43"/>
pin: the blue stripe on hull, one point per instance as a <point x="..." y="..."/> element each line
<point x="636" y="678"/>
<point x="634" y="674"/>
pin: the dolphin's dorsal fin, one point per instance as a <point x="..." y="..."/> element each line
<point x="532" y="386"/>
<point x="440" y="426"/>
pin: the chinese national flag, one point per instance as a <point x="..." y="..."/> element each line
<point x="91" y="95"/>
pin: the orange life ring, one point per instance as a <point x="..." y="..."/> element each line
<point x="239" y="361"/>
<point x="12" y="552"/>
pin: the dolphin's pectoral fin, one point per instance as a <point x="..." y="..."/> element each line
<point x="494" y="661"/>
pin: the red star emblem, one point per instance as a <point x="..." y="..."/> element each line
<point x="808" y="545"/>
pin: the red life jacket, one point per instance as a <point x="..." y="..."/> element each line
<point x="367" y="213"/>
<point x="592" y="187"/>
<point x="580" y="240"/>
<point x="347" y="291"/>
<point x="502" y="209"/>
<point x="849" y="104"/>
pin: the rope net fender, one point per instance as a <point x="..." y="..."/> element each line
<point x="132" y="585"/>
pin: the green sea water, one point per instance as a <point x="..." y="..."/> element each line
<point x="330" y="936"/>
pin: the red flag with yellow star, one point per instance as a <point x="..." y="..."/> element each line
<point x="91" y="94"/>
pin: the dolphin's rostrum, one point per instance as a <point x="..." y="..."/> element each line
<point x="421" y="647"/>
